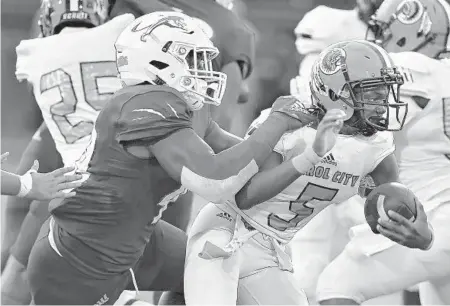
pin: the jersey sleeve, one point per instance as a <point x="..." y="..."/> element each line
<point x="23" y="52"/>
<point x="383" y="147"/>
<point x="152" y="116"/>
<point x="417" y="71"/>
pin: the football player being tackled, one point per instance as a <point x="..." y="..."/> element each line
<point x="422" y="151"/>
<point x="70" y="84"/>
<point x="237" y="252"/>
<point x="152" y="141"/>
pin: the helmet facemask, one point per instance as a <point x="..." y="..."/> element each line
<point x="200" y="82"/>
<point x="375" y="102"/>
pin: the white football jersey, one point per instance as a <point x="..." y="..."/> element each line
<point x="423" y="145"/>
<point x="333" y="180"/>
<point x="73" y="75"/>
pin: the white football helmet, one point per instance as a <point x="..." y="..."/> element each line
<point x="169" y="48"/>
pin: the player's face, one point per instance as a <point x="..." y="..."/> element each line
<point x="374" y="100"/>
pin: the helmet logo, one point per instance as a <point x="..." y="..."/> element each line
<point x="331" y="62"/>
<point x="409" y="11"/>
<point x="175" y="22"/>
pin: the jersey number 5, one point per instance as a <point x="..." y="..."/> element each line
<point x="91" y="72"/>
<point x="302" y="207"/>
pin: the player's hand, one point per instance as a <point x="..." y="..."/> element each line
<point x="292" y="111"/>
<point x="415" y="235"/>
<point x="47" y="186"/>
<point x="327" y="131"/>
<point x="3" y="157"/>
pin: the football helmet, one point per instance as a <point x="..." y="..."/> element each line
<point x="413" y="25"/>
<point x="56" y="14"/>
<point x="359" y="78"/>
<point x="169" y="48"/>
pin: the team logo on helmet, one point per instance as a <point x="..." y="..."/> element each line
<point x="331" y="62"/>
<point x="176" y="22"/>
<point x="409" y="11"/>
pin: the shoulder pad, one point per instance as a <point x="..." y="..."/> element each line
<point x="23" y="51"/>
<point x="324" y="26"/>
<point x="418" y="73"/>
<point x="153" y="115"/>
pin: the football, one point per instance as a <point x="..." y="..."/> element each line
<point x="389" y="196"/>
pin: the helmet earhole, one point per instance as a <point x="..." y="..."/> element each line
<point x="332" y="95"/>
<point x="401" y="42"/>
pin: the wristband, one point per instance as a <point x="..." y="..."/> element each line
<point x="305" y="161"/>
<point x="26" y="183"/>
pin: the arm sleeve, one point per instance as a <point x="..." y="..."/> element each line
<point x="152" y="116"/>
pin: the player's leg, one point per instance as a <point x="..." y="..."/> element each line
<point x="354" y="277"/>
<point x="211" y="281"/>
<point x="312" y="249"/>
<point x="55" y="281"/>
<point x="42" y="148"/>
<point x="15" y="290"/>
<point x="435" y="292"/>
<point x="265" y="278"/>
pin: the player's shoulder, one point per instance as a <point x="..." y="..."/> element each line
<point x="324" y="25"/>
<point x="422" y="74"/>
<point x="148" y="112"/>
<point x="163" y="102"/>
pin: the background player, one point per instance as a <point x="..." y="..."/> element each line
<point x="70" y="89"/>
<point x="152" y="141"/>
<point x="339" y="81"/>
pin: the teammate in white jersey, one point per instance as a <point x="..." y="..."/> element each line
<point x="237" y="252"/>
<point x="73" y="73"/>
<point x="371" y="266"/>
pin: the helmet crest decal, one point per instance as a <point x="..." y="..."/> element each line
<point x="175" y="22"/>
<point x="409" y="11"/>
<point x="331" y="62"/>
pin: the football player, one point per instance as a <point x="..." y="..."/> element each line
<point x="73" y="73"/>
<point x="242" y="247"/>
<point x="423" y="150"/>
<point x="152" y="141"/>
<point x="235" y="42"/>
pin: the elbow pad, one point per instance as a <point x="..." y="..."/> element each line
<point x="218" y="191"/>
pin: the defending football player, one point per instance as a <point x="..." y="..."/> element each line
<point x="423" y="150"/>
<point x="235" y="42"/>
<point x="241" y="256"/>
<point x="73" y="73"/>
<point x="153" y="141"/>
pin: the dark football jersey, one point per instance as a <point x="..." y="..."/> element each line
<point x="114" y="211"/>
<point x="230" y="34"/>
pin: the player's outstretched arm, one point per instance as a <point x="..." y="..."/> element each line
<point x="40" y="186"/>
<point x="275" y="176"/>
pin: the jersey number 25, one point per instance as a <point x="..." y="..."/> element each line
<point x="91" y="72"/>
<point x="301" y="207"/>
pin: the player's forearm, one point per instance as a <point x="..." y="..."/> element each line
<point x="10" y="183"/>
<point x="267" y="184"/>
<point x="217" y="177"/>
